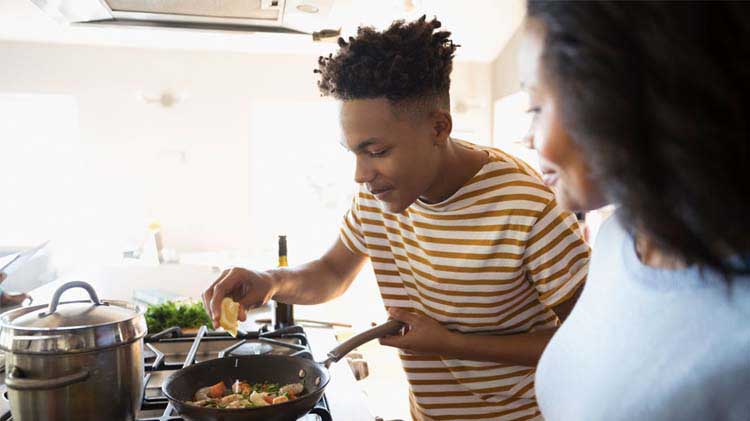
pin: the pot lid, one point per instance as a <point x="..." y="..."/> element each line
<point x="71" y="326"/>
<point x="75" y="314"/>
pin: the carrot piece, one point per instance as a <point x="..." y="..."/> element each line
<point x="280" y="399"/>
<point x="217" y="390"/>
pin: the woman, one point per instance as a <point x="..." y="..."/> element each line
<point x="645" y="105"/>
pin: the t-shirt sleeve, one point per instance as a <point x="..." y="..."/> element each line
<point x="351" y="231"/>
<point x="556" y="256"/>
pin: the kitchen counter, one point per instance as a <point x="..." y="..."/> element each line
<point x="345" y="397"/>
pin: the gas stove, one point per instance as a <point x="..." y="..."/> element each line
<point x="166" y="352"/>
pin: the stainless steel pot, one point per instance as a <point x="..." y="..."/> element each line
<point x="78" y="360"/>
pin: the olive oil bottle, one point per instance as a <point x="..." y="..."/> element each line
<point x="284" y="313"/>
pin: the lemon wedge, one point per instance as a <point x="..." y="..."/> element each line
<point x="228" y="318"/>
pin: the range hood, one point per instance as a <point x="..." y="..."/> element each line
<point x="281" y="16"/>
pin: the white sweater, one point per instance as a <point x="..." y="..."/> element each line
<point x="648" y="344"/>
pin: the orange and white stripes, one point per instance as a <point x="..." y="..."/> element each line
<point x="492" y="259"/>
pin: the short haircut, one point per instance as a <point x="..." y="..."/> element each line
<point x="408" y="63"/>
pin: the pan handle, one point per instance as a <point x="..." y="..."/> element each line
<point x="390" y="327"/>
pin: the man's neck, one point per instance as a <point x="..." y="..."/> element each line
<point x="458" y="166"/>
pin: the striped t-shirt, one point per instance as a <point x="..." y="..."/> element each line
<point x="491" y="259"/>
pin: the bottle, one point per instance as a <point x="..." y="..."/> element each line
<point x="284" y="313"/>
<point x="153" y="245"/>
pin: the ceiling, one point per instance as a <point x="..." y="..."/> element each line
<point x="481" y="27"/>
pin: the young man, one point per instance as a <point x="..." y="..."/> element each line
<point x="469" y="247"/>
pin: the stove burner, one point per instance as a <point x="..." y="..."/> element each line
<point x="253" y="348"/>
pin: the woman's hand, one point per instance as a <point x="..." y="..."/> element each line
<point x="8" y="299"/>
<point x="423" y="335"/>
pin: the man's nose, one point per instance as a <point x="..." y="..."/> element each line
<point x="363" y="173"/>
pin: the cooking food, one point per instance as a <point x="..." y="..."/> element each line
<point x="245" y="395"/>
<point x="180" y="386"/>
<point x="228" y="318"/>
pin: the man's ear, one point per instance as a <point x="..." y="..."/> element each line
<point x="442" y="125"/>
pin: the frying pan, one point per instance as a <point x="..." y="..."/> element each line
<point x="282" y="369"/>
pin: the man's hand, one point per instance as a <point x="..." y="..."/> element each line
<point x="248" y="287"/>
<point x="423" y="335"/>
<point x="314" y="282"/>
<point x="427" y="336"/>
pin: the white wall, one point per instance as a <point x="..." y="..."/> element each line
<point x="129" y="166"/>
<point x="510" y="118"/>
<point x="124" y="161"/>
<point x="505" y="78"/>
<point x="471" y="101"/>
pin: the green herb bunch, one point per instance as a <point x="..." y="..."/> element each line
<point x="184" y="315"/>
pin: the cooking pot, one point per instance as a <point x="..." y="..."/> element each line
<point x="77" y="360"/>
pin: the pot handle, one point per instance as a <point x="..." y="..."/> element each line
<point x="16" y="380"/>
<point x="66" y="286"/>
<point x="388" y="328"/>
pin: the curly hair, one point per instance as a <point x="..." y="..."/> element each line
<point x="657" y="95"/>
<point x="407" y="61"/>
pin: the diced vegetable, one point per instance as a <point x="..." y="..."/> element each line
<point x="257" y="399"/>
<point x="202" y="394"/>
<point x="244" y="395"/>
<point x="294" y="388"/>
<point x="242" y="387"/>
<point x="280" y="399"/>
<point x="217" y="390"/>
<point x="203" y="402"/>
<point x="226" y="400"/>
<point x="241" y="403"/>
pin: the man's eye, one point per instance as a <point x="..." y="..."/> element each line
<point x="378" y="154"/>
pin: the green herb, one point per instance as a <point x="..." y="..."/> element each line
<point x="267" y="387"/>
<point x="184" y="315"/>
